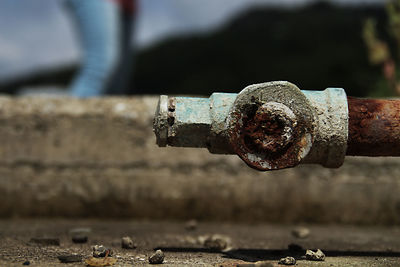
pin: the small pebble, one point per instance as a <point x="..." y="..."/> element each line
<point x="191" y="225"/>
<point x="157" y="257"/>
<point x="301" y="232"/>
<point x="101" y="251"/>
<point x="216" y="242"/>
<point x="45" y="241"/>
<point x="70" y="258"/>
<point x="80" y="235"/>
<point x="315" y="256"/>
<point x="127" y="242"/>
<point x="287" y="261"/>
<point x="26" y="263"/>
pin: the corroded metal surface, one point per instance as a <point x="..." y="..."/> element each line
<point x="270" y="125"/>
<point x="330" y="136"/>
<point x="374" y="127"/>
<point x="271" y="128"/>
<point x="161" y="121"/>
<point x="193" y="122"/>
<point x="220" y="105"/>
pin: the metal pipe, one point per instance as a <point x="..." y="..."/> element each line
<point x="276" y="125"/>
<point x="374" y="127"/>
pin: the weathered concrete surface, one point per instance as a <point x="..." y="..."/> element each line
<point x="67" y="157"/>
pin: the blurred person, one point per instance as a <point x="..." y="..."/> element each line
<point x="105" y="30"/>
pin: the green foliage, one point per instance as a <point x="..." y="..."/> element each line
<point x="393" y="12"/>
<point x="379" y="51"/>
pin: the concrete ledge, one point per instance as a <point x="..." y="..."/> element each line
<point x="98" y="158"/>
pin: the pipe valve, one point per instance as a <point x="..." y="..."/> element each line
<point x="276" y="125"/>
<point x="270" y="125"/>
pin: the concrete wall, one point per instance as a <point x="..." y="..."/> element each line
<point x="98" y="158"/>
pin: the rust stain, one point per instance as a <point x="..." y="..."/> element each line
<point x="374" y="127"/>
<point x="263" y="133"/>
<point x="258" y="134"/>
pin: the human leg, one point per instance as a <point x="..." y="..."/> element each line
<point x="120" y="82"/>
<point x="98" y="25"/>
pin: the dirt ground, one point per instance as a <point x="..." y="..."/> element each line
<point x="343" y="245"/>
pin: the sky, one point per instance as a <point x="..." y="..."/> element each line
<point x="39" y="34"/>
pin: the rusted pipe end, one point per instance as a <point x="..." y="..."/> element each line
<point x="271" y="128"/>
<point x="270" y="125"/>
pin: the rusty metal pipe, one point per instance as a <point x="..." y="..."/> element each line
<point x="374" y="127"/>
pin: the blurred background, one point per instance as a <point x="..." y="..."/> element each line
<point x="199" y="47"/>
<point x="74" y="157"/>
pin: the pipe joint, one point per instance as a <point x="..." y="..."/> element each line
<point x="270" y="126"/>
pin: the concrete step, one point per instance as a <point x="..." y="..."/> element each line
<point x="98" y="158"/>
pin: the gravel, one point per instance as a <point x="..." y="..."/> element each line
<point x="216" y="242"/>
<point x="100" y="251"/>
<point x="127" y="242"/>
<point x="157" y="257"/>
<point x="287" y="261"/>
<point x="80" y="235"/>
<point x="315" y="256"/>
